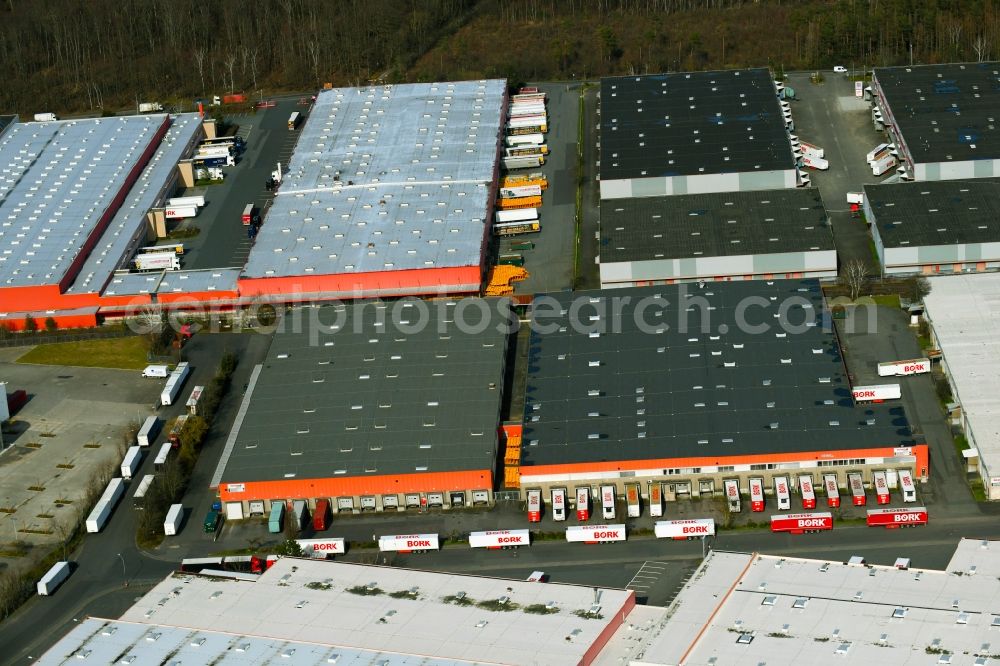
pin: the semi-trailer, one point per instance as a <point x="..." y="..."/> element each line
<point x="53" y="578"/>
<point x="147" y="433"/>
<point x="172" y="523"/>
<point x="130" y="464"/>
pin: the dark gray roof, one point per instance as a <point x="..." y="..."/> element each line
<point x="5" y="121"/>
<point x="945" y="112"/>
<point x="944" y="212"/>
<point x="362" y="399"/>
<point x="692" y="123"/>
<point x="713" y="225"/>
<point x="675" y="391"/>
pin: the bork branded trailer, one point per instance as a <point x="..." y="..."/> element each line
<point x="876" y="393"/>
<point x="732" y="487"/>
<point x="595" y="533"/>
<point x="608" y="502"/>
<point x="782" y="493"/>
<point x="583" y="504"/>
<point x="321" y="548"/>
<point x="756" y="494"/>
<point x="906" y="486"/>
<point x="799" y="523"/>
<point x="832" y="491"/>
<point x="684" y="529"/>
<point x="632" y="500"/>
<point x="916" y="366"/>
<point x="534" y="506"/>
<point x="857" y="489"/>
<point x="656" y="500"/>
<point x="408" y="543"/>
<point x="559" y="504"/>
<point x="893" y="518"/>
<point x="808" y="494"/>
<point x="500" y="539"/>
<point x="881" y="488"/>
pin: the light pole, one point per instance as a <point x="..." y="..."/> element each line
<point x="124" y="575"/>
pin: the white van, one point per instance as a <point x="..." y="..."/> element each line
<point x="156" y="371"/>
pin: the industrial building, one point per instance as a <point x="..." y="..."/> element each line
<point x="941" y="118"/>
<point x="964" y="316"/>
<point x="372" y="406"/>
<point x="929" y="228"/>
<point x="740" y="608"/>
<point x="765" y="234"/>
<point x="389" y="193"/>
<point x="310" y="612"/>
<point x="686" y="386"/>
<point x="693" y="133"/>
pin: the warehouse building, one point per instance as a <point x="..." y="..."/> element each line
<point x="389" y="193"/>
<point x="683" y="387"/>
<point x="941" y="118"/>
<point x="373" y="406"/>
<point x="740" y="608"/>
<point x="964" y="316"/>
<point x="308" y="612"/>
<point x="929" y="228"/>
<point x="758" y="235"/>
<point x="693" y="133"/>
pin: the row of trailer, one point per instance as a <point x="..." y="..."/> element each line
<point x="520" y="198"/>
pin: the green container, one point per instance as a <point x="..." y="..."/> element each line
<point x="522" y="245"/>
<point x="511" y="260"/>
<point x="212" y="521"/>
<point x="789" y="93"/>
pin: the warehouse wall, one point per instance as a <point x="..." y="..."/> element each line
<point x="957" y="170"/>
<point x="818" y="264"/>
<point x="699" y="184"/>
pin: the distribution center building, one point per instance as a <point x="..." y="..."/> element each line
<point x="964" y="316"/>
<point x="935" y="227"/>
<point x="942" y="118"/>
<point x="389" y="193"/>
<point x="373" y="406"/>
<point x="726" y="236"/>
<point x="693" y="133"/>
<point x="686" y="386"/>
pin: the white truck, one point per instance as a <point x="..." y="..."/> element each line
<point x="45" y="117"/>
<point x="916" y="366"/>
<point x="172" y="523"/>
<point x="157" y="261"/>
<point x="156" y="371"/>
<point x="174" y="383"/>
<point x="149" y="430"/>
<point x="150" y="107"/>
<point x="130" y="465"/>
<point x="53" y="578"/>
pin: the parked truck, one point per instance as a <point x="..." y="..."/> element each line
<point x="174" y="383"/>
<point x="632" y="500"/>
<point x="130" y="465"/>
<point x="158" y="261"/>
<point x="172" y="523"/>
<point x="53" y="578"/>
<point x="148" y="432"/>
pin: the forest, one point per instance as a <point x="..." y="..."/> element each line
<point x="92" y="56"/>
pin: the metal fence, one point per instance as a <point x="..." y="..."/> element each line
<point x="43" y="337"/>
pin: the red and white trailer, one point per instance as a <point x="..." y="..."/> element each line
<point x="756" y="494"/>
<point x="810" y="149"/>
<point x="408" y="543"/>
<point x="732" y="488"/>
<point x="498" y="539"/>
<point x="655" y="500"/>
<point x="832" y="491"/>
<point x="876" y="393"/>
<point x="808" y="494"/>
<point x="857" y="489"/>
<point x="320" y="548"/>
<point x="914" y="366"/>
<point x="799" y="523"/>
<point x="559" y="504"/>
<point x="684" y="529"/>
<point x="608" y="502"/>
<point x="583" y="504"/>
<point x="881" y="488"/>
<point x="782" y="493"/>
<point x="893" y="518"/>
<point x="534" y="506"/>
<point x="906" y="486"/>
<point x="595" y="533"/>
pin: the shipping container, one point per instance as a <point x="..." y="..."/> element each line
<point x="515" y="228"/>
<point x="884" y="164"/>
<point x="149" y="430"/>
<point x="806" y="489"/>
<point x="756" y="494"/>
<point x="894" y="518"/>
<point x="513" y="203"/>
<point x="694" y="528"/>
<point x="529" y="93"/>
<point x="526" y="151"/>
<point x="276" y="519"/>
<point x="832" y="491"/>
<point x="212" y="519"/>
<point x="300" y="514"/>
<point x="293" y="120"/>
<point x="160" y="462"/>
<point x="608" y="502"/>
<point x="114" y="491"/>
<point x="782" y="492"/>
<point x="525" y="140"/>
<point x="130" y="465"/>
<point x="534" y="506"/>
<point x="916" y="366"/>
<point x="583" y="504"/>
<point x="499" y="539"/>
<point x="321" y="515"/>
<point x="798" y="523"/>
<point x="525" y="179"/>
<point x="906" y="486"/>
<point x="521" y="191"/>
<point x="522" y="215"/>
<point x="857" y="487"/>
<point x="172" y="523"/>
<point x="53" y="578"/>
<point x="186" y="201"/>
<point x="876" y="152"/>
<point x="732" y="488"/>
<point x="595" y="533"/>
<point x="527" y="162"/>
<point x="321" y="548"/>
<point x="881" y="488"/>
<point x="408" y="543"/>
<point x="632" y="500"/>
<point x="174" y="383"/>
<point x="876" y="393"/>
<point x="139" y="498"/>
<point x="559" y="504"/>
<point x="98" y="517"/>
<point x="656" y="499"/>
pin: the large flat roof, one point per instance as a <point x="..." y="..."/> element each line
<point x="946" y="113"/>
<point x="654" y="384"/>
<point x="692" y="123"/>
<point x="748" y="609"/>
<point x="386" y="178"/>
<point x="713" y="225"/>
<point x="352" y="398"/>
<point x="312" y="602"/>
<point x="57" y="180"/>
<point x="965" y="313"/>
<point x="943" y="212"/>
<point x="176" y="282"/>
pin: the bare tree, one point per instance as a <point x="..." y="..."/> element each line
<point x="854" y="277"/>
<point x="980" y="46"/>
<point x="199" y="59"/>
<point x="230" y="65"/>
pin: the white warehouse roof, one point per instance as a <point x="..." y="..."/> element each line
<point x="386" y="178"/>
